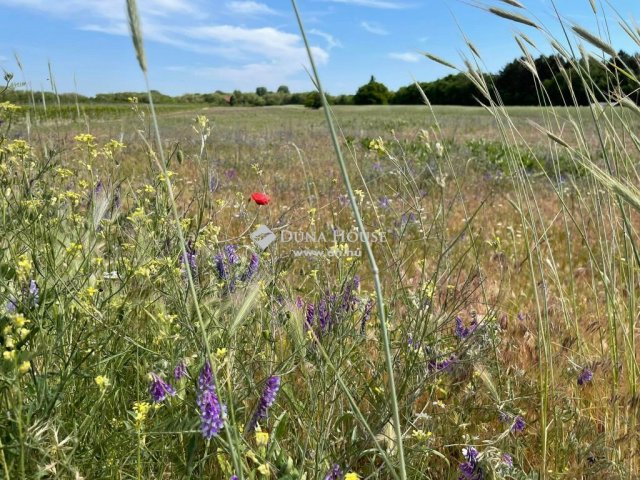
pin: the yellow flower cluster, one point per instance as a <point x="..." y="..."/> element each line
<point x="102" y="382"/>
<point x="24" y="266"/>
<point x="377" y="145"/>
<point x="13" y="333"/>
<point x="421" y="435"/>
<point x="8" y="107"/>
<point x="140" y="413"/>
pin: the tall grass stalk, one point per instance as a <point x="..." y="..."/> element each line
<point x="386" y="344"/>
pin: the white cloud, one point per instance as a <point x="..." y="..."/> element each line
<point x="405" y="57"/>
<point x="266" y="55"/>
<point x="373" y="4"/>
<point x="267" y="42"/>
<point x="236" y="53"/>
<point x="374" y="28"/>
<point x="332" y="42"/>
<point x="250" y="8"/>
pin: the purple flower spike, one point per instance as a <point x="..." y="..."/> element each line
<point x="159" y="389"/>
<point x="252" y="268"/>
<point x="190" y="261"/>
<point x="11" y="306"/>
<point x="585" y="376"/>
<point x="506" y="458"/>
<point x="205" y="379"/>
<point x="463" y="332"/>
<point x="211" y="413"/>
<point x="232" y="256"/>
<point x="34" y="293"/>
<point x="211" y="410"/>
<point x="268" y="398"/>
<point x="234" y="477"/>
<point x="470" y="470"/>
<point x="518" y="424"/>
<point x="365" y="316"/>
<point x="221" y="268"/>
<point x="324" y="317"/>
<point x="445" y="364"/>
<point x="335" y="473"/>
<point x="180" y="371"/>
<point x="311" y="312"/>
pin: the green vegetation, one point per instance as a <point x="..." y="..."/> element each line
<point x="134" y="303"/>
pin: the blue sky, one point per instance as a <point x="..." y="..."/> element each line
<point x="204" y="45"/>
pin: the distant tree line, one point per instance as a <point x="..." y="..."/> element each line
<point x="514" y="84"/>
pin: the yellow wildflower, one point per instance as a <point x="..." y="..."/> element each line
<point x="24" y="266"/>
<point x="377" y="145"/>
<point x="19" y="320"/>
<point x="262" y="438"/>
<point x="421" y="435"/>
<point x="221" y="353"/>
<point x="9" y="354"/>
<point x="351" y="476"/>
<point x="102" y="382"/>
<point x="140" y="411"/>
<point x="91" y="291"/>
<point x="264" y="470"/>
<point x="24" y="366"/>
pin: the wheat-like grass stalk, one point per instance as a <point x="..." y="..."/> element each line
<point x="515" y="17"/>
<point x="136" y="34"/>
<point x="594" y="40"/>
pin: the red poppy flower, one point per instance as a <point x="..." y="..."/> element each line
<point x="260" y="198"/>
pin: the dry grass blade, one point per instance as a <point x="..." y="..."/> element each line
<point x="593" y="40"/>
<point x="515" y="17"/>
<point x="136" y="33"/>
<point x="439" y="60"/>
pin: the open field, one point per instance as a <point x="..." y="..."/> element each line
<point x="507" y="269"/>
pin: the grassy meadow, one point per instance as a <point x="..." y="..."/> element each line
<point x="145" y="334"/>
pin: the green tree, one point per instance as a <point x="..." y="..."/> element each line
<point x="283" y="89"/>
<point x="261" y="91"/>
<point x="373" y="93"/>
<point x="313" y="100"/>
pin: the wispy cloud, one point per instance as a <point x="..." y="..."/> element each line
<point x="374" y="28"/>
<point x="405" y="57"/>
<point x="265" y="55"/>
<point x="250" y="8"/>
<point x="332" y="42"/>
<point x="106" y="9"/>
<point x="384" y="4"/>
